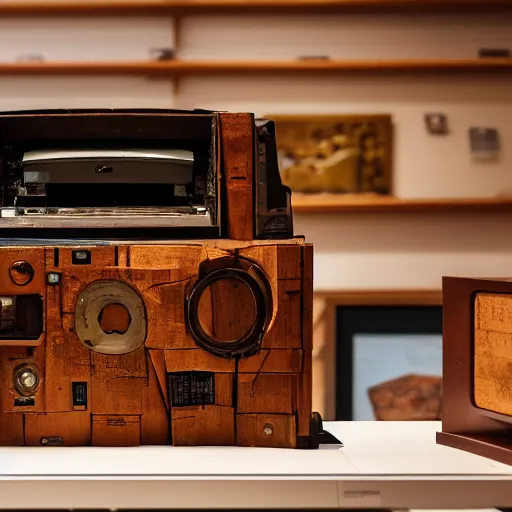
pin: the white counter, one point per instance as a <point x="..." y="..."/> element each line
<point x="382" y="464"/>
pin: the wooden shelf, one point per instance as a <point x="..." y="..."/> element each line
<point x="186" y="68"/>
<point x="379" y="204"/>
<point x="153" y="7"/>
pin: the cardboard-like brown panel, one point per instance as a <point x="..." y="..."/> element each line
<point x="73" y="427"/>
<point x="110" y="430"/>
<point x="155" y="420"/>
<point x="285" y="331"/>
<point x="196" y="360"/>
<point x="267" y="393"/>
<point x="211" y="425"/>
<point x="237" y="143"/>
<point x="11" y="429"/>
<point x="266" y="430"/>
<point x="272" y="361"/>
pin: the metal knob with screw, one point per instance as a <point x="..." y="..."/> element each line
<point x="267" y="429"/>
<point x="53" y="278"/>
<point x="28" y="379"/>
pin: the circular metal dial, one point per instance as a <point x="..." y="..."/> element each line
<point x="110" y="318"/>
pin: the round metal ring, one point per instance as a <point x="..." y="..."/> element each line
<point x="89" y="305"/>
<point x="250" y="342"/>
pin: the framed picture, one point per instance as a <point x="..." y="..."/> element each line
<point x="335" y="154"/>
<point x="389" y="363"/>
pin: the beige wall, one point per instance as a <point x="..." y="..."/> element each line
<point x="352" y="251"/>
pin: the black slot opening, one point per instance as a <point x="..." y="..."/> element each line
<point x="21" y="317"/>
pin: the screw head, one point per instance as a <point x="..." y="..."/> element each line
<point x="267" y="430"/>
<point x="28" y="379"/>
<point x="53" y="278"/>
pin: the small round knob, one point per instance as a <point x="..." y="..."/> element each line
<point x="53" y="278"/>
<point x="28" y="379"/>
<point x="267" y="429"/>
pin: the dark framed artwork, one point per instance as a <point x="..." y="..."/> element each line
<point x="388" y="363"/>
<point x="335" y="154"/>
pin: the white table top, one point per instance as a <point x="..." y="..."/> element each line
<point x="382" y="464"/>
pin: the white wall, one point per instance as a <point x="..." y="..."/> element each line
<point x="352" y="251"/>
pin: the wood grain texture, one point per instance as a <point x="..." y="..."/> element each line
<point x="196" y="359"/>
<point x="128" y="396"/>
<point x="266" y="430"/>
<point x="493" y="352"/>
<point x="312" y="67"/>
<point x="267" y="392"/>
<point x="180" y="7"/>
<point x="238" y="160"/>
<point x="11" y="429"/>
<point x="285" y="331"/>
<point x="110" y="430"/>
<point x="272" y="361"/>
<point x="159" y="366"/>
<point x="117" y="383"/>
<point x="74" y="428"/>
<point x="155" y="420"/>
<point x="208" y="425"/>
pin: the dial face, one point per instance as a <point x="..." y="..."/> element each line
<point x="110" y="318"/>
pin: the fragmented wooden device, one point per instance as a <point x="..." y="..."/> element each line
<point x="152" y="290"/>
<point x="477" y="364"/>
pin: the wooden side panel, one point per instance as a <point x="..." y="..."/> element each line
<point x="307" y="297"/>
<point x="155" y="421"/>
<point x="266" y="430"/>
<point x="110" y="430"/>
<point x="74" y="428"/>
<point x="493" y="352"/>
<point x="211" y="425"/>
<point x="267" y="393"/>
<point x="305" y="392"/>
<point x="196" y="360"/>
<point x="237" y="146"/>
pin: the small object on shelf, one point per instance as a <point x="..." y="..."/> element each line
<point x="437" y="124"/>
<point x="30" y="58"/>
<point x="494" y="52"/>
<point x="162" y="53"/>
<point x="314" y="57"/>
<point x="484" y="142"/>
<point x="477" y="340"/>
<point x="407" y="398"/>
<point x="336" y="154"/>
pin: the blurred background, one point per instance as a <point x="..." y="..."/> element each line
<point x="394" y="127"/>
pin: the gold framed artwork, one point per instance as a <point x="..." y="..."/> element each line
<point x="335" y="154"/>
